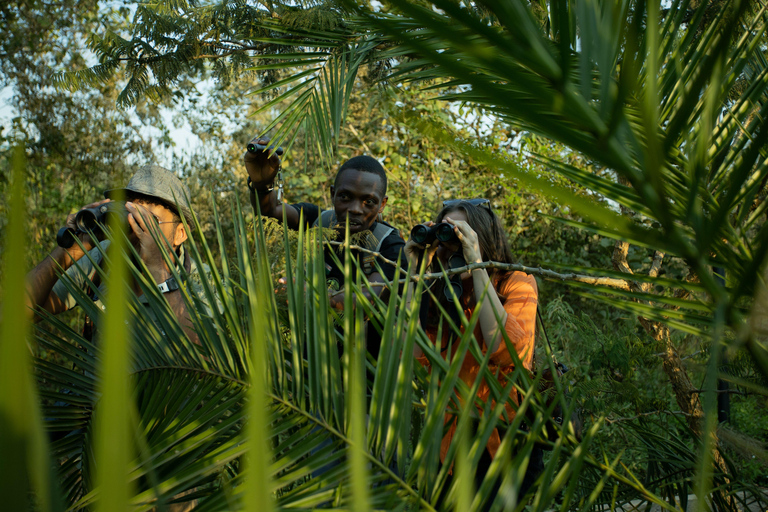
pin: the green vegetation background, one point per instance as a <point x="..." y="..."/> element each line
<point x="79" y="144"/>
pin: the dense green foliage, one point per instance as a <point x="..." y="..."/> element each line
<point x="608" y="143"/>
<point x="77" y="144"/>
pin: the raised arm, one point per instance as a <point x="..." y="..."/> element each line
<point x="147" y="233"/>
<point x="41" y="279"/>
<point x="262" y="170"/>
<point x="491" y="306"/>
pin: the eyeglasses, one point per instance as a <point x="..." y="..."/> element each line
<point x="157" y="219"/>
<point x="485" y="203"/>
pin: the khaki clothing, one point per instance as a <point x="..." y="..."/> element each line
<point x="84" y="271"/>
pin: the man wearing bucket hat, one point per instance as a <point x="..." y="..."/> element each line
<point x="156" y="200"/>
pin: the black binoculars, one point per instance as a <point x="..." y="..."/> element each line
<point x="425" y="235"/>
<point x="93" y="220"/>
<point x="255" y="148"/>
<point x="455" y="261"/>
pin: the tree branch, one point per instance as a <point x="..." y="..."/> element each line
<point x="542" y="272"/>
<point x="652" y="413"/>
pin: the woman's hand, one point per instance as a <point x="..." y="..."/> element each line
<point x="468" y="238"/>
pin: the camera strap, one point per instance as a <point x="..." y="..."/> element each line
<point x="546" y="338"/>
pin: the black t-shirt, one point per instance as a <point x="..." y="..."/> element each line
<point x="391" y="247"/>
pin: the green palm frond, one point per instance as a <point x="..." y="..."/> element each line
<point x="662" y="116"/>
<point x="196" y="416"/>
<point x="656" y="100"/>
<point x="318" y="96"/>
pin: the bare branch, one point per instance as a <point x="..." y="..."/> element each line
<point x="652" y="413"/>
<point x="542" y="272"/>
<point x="722" y="391"/>
<point x="658" y="257"/>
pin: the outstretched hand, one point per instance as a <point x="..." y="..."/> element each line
<point x="262" y="166"/>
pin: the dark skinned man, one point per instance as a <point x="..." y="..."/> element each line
<point x="359" y="195"/>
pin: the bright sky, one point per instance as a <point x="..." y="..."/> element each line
<point x="185" y="141"/>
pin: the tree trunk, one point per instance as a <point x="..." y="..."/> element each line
<point x="686" y="394"/>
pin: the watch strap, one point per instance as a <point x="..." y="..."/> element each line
<point x="261" y="192"/>
<point x="169" y="285"/>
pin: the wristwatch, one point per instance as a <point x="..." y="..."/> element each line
<point x="169" y="285"/>
<point x="261" y="192"/>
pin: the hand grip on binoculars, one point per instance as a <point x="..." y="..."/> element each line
<point x="256" y="148"/>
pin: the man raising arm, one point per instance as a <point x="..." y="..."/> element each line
<point x="359" y="196"/>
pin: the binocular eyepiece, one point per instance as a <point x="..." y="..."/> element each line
<point x="424" y="235"/>
<point x="255" y="148"/>
<point x="93" y="220"/>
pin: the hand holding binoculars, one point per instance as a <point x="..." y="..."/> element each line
<point x="425" y="235"/>
<point x="93" y="220"/>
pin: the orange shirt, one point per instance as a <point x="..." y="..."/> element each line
<point x="519" y="297"/>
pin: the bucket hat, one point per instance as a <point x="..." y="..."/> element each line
<point x="160" y="183"/>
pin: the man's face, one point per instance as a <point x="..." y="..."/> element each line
<point x="170" y="225"/>
<point x="357" y="196"/>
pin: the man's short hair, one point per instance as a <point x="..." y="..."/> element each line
<point x="364" y="163"/>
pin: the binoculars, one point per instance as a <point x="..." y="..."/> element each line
<point x="455" y="261"/>
<point x="255" y="148"/>
<point x="424" y="235"/>
<point x="93" y="220"/>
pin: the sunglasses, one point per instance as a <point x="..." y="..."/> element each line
<point x="485" y="203"/>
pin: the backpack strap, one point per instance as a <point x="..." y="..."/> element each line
<point x="326" y="219"/>
<point x="382" y="230"/>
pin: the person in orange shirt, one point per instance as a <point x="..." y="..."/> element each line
<point x="511" y="296"/>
